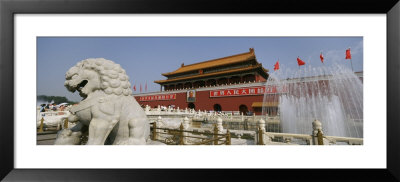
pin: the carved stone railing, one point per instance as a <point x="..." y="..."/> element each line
<point x="348" y="140"/>
<point x="261" y="136"/>
<point x="316" y="138"/>
<point x="52" y="120"/>
<point x="54" y="113"/>
<point x="205" y="116"/>
<point x="185" y="136"/>
<point x="286" y="137"/>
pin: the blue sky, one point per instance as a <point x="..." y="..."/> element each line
<point x="145" y="58"/>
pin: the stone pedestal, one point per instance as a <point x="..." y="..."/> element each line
<point x="219" y="125"/>
<point x="317" y="133"/>
<point x="186" y="125"/>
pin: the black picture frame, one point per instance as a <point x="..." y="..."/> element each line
<point x="9" y="8"/>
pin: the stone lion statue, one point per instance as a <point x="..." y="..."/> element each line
<point x="108" y="112"/>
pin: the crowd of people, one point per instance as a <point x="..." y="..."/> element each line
<point x="53" y="107"/>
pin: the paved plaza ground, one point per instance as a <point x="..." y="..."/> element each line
<point x="46" y="138"/>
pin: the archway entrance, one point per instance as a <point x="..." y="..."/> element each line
<point x="217" y="107"/>
<point x="243" y="109"/>
<point x="191" y="106"/>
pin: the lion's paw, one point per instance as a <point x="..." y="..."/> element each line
<point x="67" y="137"/>
<point x="136" y="141"/>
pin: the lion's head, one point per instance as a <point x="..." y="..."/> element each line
<point x="92" y="74"/>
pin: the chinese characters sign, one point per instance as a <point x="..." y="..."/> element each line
<point x="247" y="91"/>
<point x="158" y="97"/>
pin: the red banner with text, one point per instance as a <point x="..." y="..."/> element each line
<point x="248" y="91"/>
<point x="158" y="97"/>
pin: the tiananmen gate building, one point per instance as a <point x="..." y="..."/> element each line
<point x="233" y="83"/>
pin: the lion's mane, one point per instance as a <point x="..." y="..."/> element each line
<point x="113" y="78"/>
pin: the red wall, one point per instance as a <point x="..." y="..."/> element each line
<point x="260" y="78"/>
<point x="205" y="102"/>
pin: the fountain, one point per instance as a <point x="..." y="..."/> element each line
<point x="333" y="95"/>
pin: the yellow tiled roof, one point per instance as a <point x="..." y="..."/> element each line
<point x="215" y="62"/>
<point x="210" y="74"/>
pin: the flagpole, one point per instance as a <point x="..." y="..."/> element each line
<point x="323" y="62"/>
<point x="322" y="59"/>
<point x="298" y="62"/>
<point x="351" y="62"/>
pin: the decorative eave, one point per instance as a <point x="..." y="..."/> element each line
<point x="253" y="67"/>
<point x="214" y="63"/>
<point x="263" y="71"/>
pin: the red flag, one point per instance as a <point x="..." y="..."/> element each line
<point x="276" y="66"/>
<point x="348" y="54"/>
<point x="140" y="87"/>
<point x="300" y="62"/>
<point x="134" y="87"/>
<point x="321" y="57"/>
<point x="145" y="87"/>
